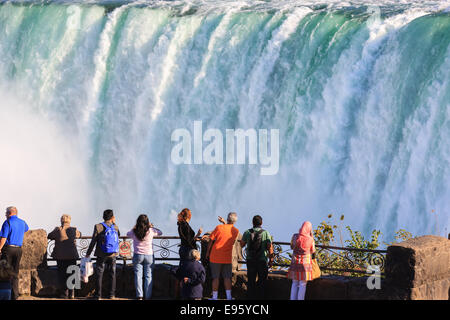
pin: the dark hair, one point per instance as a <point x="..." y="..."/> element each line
<point x="141" y="227"/>
<point x="257" y="221"/>
<point x="108" y="214"/>
<point x="184" y="215"/>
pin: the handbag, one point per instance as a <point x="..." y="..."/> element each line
<point x="315" y="269"/>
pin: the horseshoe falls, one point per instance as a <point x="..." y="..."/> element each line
<point x="91" y="91"/>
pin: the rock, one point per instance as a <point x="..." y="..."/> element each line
<point x="326" y="288"/>
<point x="419" y="268"/>
<point x="435" y="290"/>
<point x="45" y="282"/>
<point x="237" y="254"/>
<point x="278" y="287"/>
<point x="417" y="261"/>
<point x="24" y="282"/>
<point x="34" y="250"/>
<point x="164" y="282"/>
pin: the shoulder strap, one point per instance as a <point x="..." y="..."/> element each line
<point x="106" y="226"/>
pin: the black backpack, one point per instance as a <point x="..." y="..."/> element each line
<point x="255" y="244"/>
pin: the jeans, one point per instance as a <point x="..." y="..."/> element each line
<point x="5" y="294"/>
<point x="108" y="264"/>
<point x="256" y="288"/>
<point x="5" y="290"/>
<point x="143" y="268"/>
<point x="13" y="256"/>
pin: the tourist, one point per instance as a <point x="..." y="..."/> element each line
<point x="143" y="260"/>
<point x="219" y="253"/>
<point x="106" y="240"/>
<point x="259" y="257"/>
<point x="187" y="235"/>
<point x="11" y="239"/>
<point x="192" y="275"/>
<point x="188" y="239"/>
<point x="300" y="270"/>
<point x="65" y="251"/>
<point x="6" y="273"/>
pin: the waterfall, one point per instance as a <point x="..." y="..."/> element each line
<point x="91" y="91"/>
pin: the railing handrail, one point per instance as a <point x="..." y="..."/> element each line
<point x="274" y="242"/>
<point x="337" y="248"/>
<point x="165" y="248"/>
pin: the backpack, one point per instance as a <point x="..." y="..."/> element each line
<point x="110" y="241"/>
<point x="255" y="243"/>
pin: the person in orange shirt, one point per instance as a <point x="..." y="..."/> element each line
<point x="219" y="253"/>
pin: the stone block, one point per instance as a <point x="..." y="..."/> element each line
<point x="34" y="250"/>
<point x="326" y="288"/>
<point x="418" y="261"/>
<point x="24" y="282"/>
<point x="433" y="290"/>
<point x="45" y="282"/>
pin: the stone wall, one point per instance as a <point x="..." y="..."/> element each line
<point x="47" y="284"/>
<point x="419" y="269"/>
<point x="415" y="269"/>
<point x="34" y="257"/>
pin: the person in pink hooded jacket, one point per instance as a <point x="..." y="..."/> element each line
<point x="300" y="270"/>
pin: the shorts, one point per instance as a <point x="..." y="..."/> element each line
<point x="223" y="269"/>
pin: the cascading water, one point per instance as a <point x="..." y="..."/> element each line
<point x="91" y="92"/>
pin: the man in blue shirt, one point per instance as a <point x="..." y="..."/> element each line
<point x="11" y="239"/>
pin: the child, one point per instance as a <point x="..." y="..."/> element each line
<point x="192" y="276"/>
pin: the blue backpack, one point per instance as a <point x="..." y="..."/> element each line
<point x="110" y="242"/>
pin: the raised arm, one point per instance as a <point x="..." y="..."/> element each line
<point x="156" y="231"/>
<point x="93" y="242"/>
<point x="293" y="241"/>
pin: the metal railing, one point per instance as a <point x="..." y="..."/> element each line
<point x="331" y="259"/>
<point x="334" y="260"/>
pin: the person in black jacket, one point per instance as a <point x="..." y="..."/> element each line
<point x="105" y="261"/>
<point x="192" y="275"/>
<point x="187" y="235"/>
<point x="188" y="240"/>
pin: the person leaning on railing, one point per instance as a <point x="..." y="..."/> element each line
<point x="65" y="252"/>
